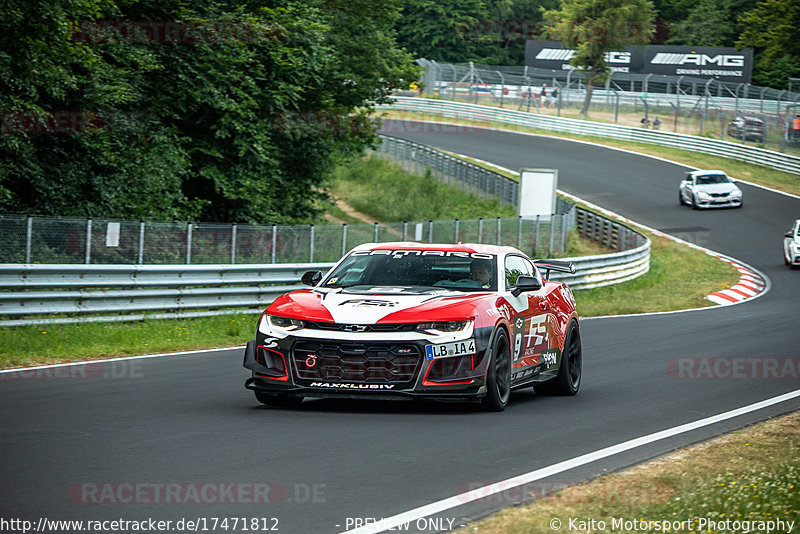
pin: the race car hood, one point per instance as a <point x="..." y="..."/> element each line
<point x="378" y="305"/>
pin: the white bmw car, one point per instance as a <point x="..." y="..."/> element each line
<point x="709" y="189"/>
<point x="791" y="246"/>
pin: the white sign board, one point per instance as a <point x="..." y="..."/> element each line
<point x="537" y="192"/>
<point x="112" y="234"/>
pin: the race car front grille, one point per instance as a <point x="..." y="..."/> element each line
<point x="719" y="195"/>
<point x="368" y="363"/>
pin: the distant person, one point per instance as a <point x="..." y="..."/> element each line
<point x="543" y="95"/>
<point x="656" y="123"/>
<point x="645" y="122"/>
<point x="554" y="96"/>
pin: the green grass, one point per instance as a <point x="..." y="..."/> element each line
<point x="55" y="343"/>
<point x="386" y="192"/>
<point x="679" y="278"/>
<point x="749" y="475"/>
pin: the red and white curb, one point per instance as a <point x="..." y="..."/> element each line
<point x="750" y="284"/>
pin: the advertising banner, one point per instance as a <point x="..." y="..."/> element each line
<point x="725" y="64"/>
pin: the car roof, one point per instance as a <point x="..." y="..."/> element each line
<point x="498" y="250"/>
<point x="702" y="173"/>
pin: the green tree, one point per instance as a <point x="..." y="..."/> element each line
<point x="227" y="111"/>
<point x="442" y="30"/>
<point x="710" y="23"/>
<point x="596" y="27"/>
<point x="771" y="29"/>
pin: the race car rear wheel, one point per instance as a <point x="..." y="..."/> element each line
<point x="498" y="381"/>
<point x="278" y="400"/>
<point x="680" y="199"/>
<point x="568" y="380"/>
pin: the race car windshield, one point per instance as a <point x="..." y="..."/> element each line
<point x="712" y="179"/>
<point x="412" y="268"/>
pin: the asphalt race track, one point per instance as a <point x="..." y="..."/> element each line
<point x="179" y="437"/>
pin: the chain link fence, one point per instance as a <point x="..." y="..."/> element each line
<point x="732" y="111"/>
<point x="61" y="240"/>
<point x="50" y="240"/>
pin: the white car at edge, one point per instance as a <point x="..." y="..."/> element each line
<point x="709" y="189"/>
<point x="791" y="245"/>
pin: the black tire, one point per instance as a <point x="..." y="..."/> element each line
<point x="498" y="380"/>
<point x="570" y="371"/>
<point x="283" y="401"/>
<point x="680" y="199"/>
<point x="694" y="204"/>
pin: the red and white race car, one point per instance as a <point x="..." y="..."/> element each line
<point x="409" y="320"/>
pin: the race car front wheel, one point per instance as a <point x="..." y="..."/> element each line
<point x="278" y="400"/>
<point x="498" y="381"/>
<point x="568" y="380"/>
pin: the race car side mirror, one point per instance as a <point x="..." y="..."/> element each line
<point x="787" y="234"/>
<point x="526" y="283"/>
<point x="311" y="278"/>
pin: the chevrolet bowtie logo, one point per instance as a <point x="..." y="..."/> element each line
<point x="354" y="328"/>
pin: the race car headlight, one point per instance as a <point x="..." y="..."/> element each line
<point x="736" y="193"/>
<point x="283" y="323"/>
<point x="702" y="195"/>
<point x="446" y="327"/>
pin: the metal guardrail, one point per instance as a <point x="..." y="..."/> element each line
<point x="464" y="111"/>
<point x="69" y="293"/>
<point x="131" y="292"/>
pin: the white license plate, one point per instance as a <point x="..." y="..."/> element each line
<point x="449" y="350"/>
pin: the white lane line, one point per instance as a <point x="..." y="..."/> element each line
<point x="92" y="362"/>
<point x="486" y="491"/>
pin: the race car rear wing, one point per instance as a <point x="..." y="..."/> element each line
<point x="555" y="265"/>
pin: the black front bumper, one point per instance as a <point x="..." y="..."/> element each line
<point x="375" y="370"/>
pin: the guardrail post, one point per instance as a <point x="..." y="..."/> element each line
<point x="140" y="259"/>
<point x="430" y="230"/>
<point x="310" y="243"/>
<point x="375" y="233"/>
<point x="189" y="243"/>
<point x="28" y="238"/>
<point x="344" y="239"/>
<point x="455" y="232"/>
<point x="498" y="230"/>
<point x="274" y="241"/>
<point x="88" y="252"/>
<point x="233" y="244"/>
<point x="480" y="229"/>
<point x="405" y="230"/>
